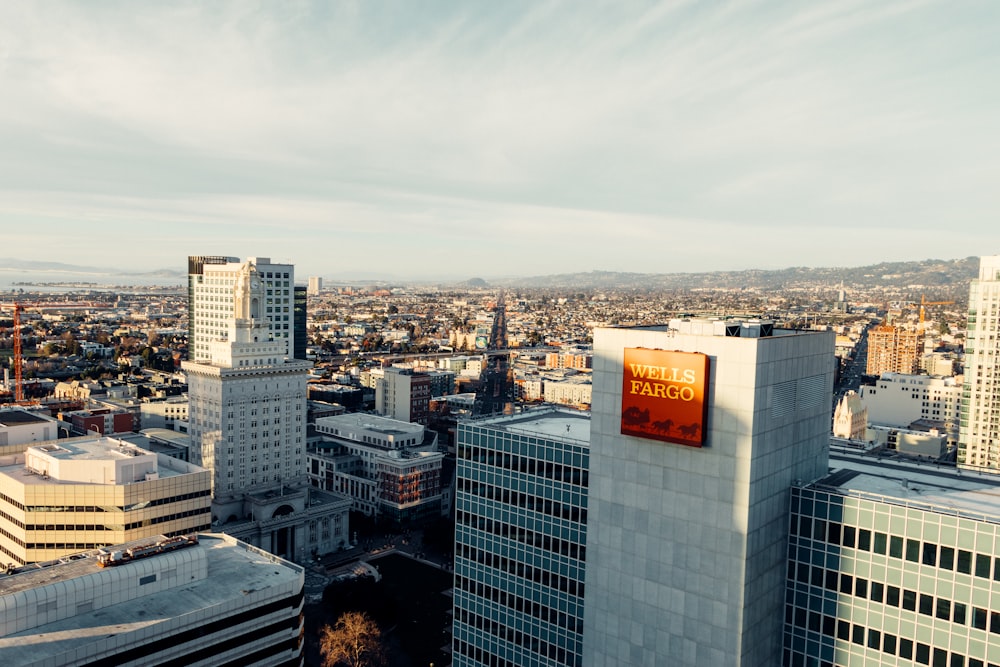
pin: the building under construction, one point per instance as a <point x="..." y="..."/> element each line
<point x="892" y="349"/>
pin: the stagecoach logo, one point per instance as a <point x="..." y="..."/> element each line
<point x="663" y="395"/>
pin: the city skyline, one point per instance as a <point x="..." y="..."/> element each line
<point x="522" y="139"/>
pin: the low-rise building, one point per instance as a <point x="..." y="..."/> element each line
<point x="19" y="427"/>
<point x="164" y="413"/>
<point x="898" y="400"/>
<point x="850" y="419"/>
<point x="69" y="495"/>
<point x="387" y="467"/>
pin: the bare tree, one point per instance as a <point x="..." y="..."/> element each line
<point x="354" y="641"/>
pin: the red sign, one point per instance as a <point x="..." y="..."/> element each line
<point x="664" y="395"/>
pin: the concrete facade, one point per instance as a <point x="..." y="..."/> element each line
<point x="686" y="546"/>
<point x="69" y="495"/>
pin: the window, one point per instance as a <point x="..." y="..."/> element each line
<point x="930" y="554"/>
<point x="983" y="566"/>
<point x="896" y="547"/>
<point x="864" y="539"/>
<point x="964" y="561"/>
<point x="959" y="613"/>
<point x="913" y="551"/>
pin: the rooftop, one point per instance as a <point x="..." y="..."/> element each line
<point x="15" y="417"/>
<point x="83" y="450"/>
<point x="939" y="488"/>
<point x="373" y="423"/>
<point x="234" y="570"/>
<point x="549" y="422"/>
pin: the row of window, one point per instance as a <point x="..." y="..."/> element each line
<point x="922" y="654"/>
<point x="893" y="596"/>
<point x="540" y="575"/>
<point x="145" y="504"/>
<point x="83" y="546"/>
<point x="526" y="501"/>
<point x="547" y="469"/>
<point x="519" y="604"/>
<point x="557" y="655"/>
<point x="530" y="537"/>
<point x="915" y="551"/>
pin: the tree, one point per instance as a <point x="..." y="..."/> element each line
<point x="355" y="641"/>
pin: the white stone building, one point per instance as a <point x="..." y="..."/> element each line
<point x="850" y="418"/>
<point x="899" y="400"/>
<point x="211" y="288"/>
<point x="247" y="421"/>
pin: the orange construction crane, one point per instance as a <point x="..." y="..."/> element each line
<point x="924" y="302"/>
<point x="17" y="359"/>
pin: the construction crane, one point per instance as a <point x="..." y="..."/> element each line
<point x="17" y="359"/>
<point x="924" y="302"/>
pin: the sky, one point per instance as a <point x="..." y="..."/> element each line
<point x="490" y="139"/>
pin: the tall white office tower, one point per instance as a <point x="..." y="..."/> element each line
<point x="979" y="435"/>
<point x="211" y="282"/>
<point x="698" y="432"/>
<point x="247" y="417"/>
<point x="315" y="285"/>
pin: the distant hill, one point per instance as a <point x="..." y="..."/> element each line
<point x="929" y="273"/>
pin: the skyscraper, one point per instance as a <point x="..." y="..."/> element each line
<point x="300" y="322"/>
<point x="211" y="281"/>
<point x="520" y="530"/>
<point x="699" y="430"/>
<point x="247" y="418"/>
<point x="979" y="437"/>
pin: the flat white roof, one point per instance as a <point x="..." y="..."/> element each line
<point x="941" y="488"/>
<point x="234" y="570"/>
<point x="553" y="423"/>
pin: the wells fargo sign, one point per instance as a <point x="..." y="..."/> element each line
<point x="664" y="395"/>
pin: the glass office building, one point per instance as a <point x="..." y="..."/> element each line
<point x="893" y="563"/>
<point x="520" y="531"/>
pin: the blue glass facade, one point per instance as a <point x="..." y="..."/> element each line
<point x="521" y="512"/>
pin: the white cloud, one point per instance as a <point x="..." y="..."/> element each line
<point x="476" y="125"/>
